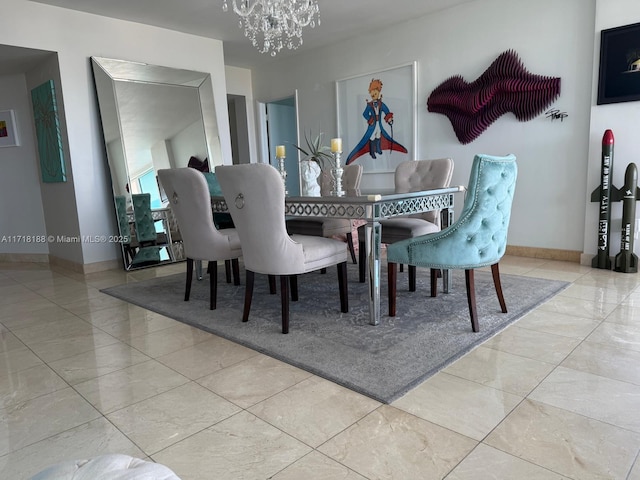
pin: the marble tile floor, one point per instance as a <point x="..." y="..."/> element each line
<point x="554" y="396"/>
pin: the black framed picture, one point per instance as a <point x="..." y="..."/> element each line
<point x="619" y="79"/>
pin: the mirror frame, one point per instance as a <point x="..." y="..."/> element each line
<point x="108" y="74"/>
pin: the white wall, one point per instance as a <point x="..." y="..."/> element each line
<point x="239" y="83"/>
<point x="76" y="36"/>
<point x="188" y="143"/>
<point x="58" y="197"/>
<point x="623" y="119"/>
<point x="21" y="202"/>
<point x="117" y="167"/>
<point x="552" y="38"/>
<point x="160" y="155"/>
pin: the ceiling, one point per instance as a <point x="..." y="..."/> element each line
<point x="340" y="19"/>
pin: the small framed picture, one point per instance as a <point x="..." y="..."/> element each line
<point x="8" y="133"/>
<point x="619" y="79"/>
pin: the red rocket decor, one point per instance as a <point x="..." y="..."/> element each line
<point x="604" y="194"/>
<point x="506" y="86"/>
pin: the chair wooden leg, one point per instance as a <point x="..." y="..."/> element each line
<point x="293" y="284"/>
<point x="362" y="266"/>
<point x="412" y="278"/>
<point x="227" y="270"/>
<point x="248" y="293"/>
<point x="352" y="249"/>
<point x="471" y="299"/>
<point x="272" y="284"/>
<point x="235" y="268"/>
<point x="212" y="269"/>
<point x="434" y="282"/>
<point x="342" y="285"/>
<point x="284" y="300"/>
<point x="392" y="277"/>
<point x="495" y="272"/>
<point x="187" y="287"/>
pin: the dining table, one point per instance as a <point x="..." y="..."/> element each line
<point x="371" y="207"/>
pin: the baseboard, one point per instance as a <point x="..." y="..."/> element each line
<point x="586" y="258"/>
<point x="24" y="257"/>
<point x="545" y="253"/>
<point x="103" y="266"/>
<point x="60" y="262"/>
<point x="84" y="268"/>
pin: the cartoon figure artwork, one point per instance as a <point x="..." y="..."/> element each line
<point x="376" y="139"/>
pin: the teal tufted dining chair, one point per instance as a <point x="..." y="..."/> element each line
<point x="477" y="239"/>
<point x="128" y="247"/>
<point x="145" y="225"/>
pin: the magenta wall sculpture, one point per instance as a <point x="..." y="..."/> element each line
<point x="506" y="86"/>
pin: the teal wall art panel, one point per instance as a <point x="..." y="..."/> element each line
<point x="45" y="113"/>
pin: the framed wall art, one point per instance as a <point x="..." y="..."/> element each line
<point x="377" y="118"/>
<point x="8" y="132"/>
<point x="50" y="151"/>
<point x="619" y="78"/>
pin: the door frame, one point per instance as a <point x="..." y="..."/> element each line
<point x="263" y="134"/>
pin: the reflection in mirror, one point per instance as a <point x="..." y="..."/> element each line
<point x="153" y="117"/>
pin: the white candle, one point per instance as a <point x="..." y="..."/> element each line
<point x="280" y="151"/>
<point x="336" y="145"/>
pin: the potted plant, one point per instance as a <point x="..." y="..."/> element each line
<point x="315" y="151"/>
<point x="317" y="157"/>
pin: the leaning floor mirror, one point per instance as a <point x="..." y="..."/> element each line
<point x="153" y="117"/>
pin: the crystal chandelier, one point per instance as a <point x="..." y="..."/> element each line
<point x="273" y="24"/>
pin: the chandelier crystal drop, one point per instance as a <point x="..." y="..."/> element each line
<point x="274" y="24"/>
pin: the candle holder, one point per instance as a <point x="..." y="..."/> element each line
<point x="336" y="173"/>
<point x="283" y="173"/>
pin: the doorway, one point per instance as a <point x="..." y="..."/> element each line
<point x="238" y="128"/>
<point x="282" y="129"/>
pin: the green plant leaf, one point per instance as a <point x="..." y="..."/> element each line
<point x="315" y="151"/>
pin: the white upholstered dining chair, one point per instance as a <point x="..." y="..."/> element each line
<point x="329" y="227"/>
<point x="190" y="202"/>
<point x="255" y="197"/>
<point x="411" y="176"/>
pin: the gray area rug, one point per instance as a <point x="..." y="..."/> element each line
<point x="383" y="361"/>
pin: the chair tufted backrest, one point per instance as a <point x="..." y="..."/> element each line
<point x="350" y="180"/>
<point x="479" y="236"/>
<point x="145" y="226"/>
<point x="254" y="194"/>
<point x="190" y="202"/>
<point x="413" y="176"/>
<point x="123" y="222"/>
